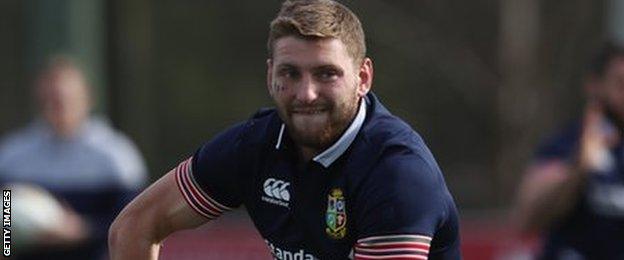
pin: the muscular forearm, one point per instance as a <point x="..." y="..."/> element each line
<point x="130" y="247"/>
<point x="131" y="238"/>
<point x="549" y="194"/>
<point x="158" y="211"/>
<point x="556" y="202"/>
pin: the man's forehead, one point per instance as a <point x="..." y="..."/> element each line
<point x="294" y="51"/>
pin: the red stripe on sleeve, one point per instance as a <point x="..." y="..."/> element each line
<point x="195" y="198"/>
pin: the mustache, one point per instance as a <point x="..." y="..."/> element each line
<point x="299" y="107"/>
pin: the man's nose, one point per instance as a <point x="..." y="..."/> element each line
<point x="307" y="91"/>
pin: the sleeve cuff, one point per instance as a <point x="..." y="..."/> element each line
<point x="201" y="202"/>
<point x="405" y="246"/>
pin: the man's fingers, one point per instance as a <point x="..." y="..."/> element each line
<point x="595" y="140"/>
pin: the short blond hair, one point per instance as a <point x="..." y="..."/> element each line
<point x="313" y="19"/>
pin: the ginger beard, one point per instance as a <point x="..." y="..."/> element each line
<point x="318" y="124"/>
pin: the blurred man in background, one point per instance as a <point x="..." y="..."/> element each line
<point x="91" y="168"/>
<point x="573" y="192"/>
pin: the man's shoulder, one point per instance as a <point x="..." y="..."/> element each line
<point x="560" y="144"/>
<point x="390" y="135"/>
<point x="21" y="140"/>
<point x="255" y="129"/>
<point x="247" y="135"/>
<point x="407" y="164"/>
<point x="388" y="130"/>
<point x="101" y="136"/>
<point x="393" y="150"/>
<point x="263" y="113"/>
<point x="396" y="172"/>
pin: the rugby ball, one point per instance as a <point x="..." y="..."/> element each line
<point x="34" y="211"/>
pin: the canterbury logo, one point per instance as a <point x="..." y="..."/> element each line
<point x="276" y="189"/>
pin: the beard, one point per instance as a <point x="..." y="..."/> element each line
<point x="318" y="125"/>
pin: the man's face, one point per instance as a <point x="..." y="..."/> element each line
<point x="64" y="100"/>
<point x="610" y="89"/>
<point x="316" y="87"/>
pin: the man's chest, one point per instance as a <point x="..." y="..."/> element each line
<point x="301" y="211"/>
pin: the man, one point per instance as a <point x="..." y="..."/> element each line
<point x="328" y="174"/>
<point x="80" y="159"/>
<point x="574" y="190"/>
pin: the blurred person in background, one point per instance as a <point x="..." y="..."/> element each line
<point x="329" y="173"/>
<point x="573" y="192"/>
<point x="89" y="167"/>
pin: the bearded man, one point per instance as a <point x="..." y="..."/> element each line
<point x="328" y="174"/>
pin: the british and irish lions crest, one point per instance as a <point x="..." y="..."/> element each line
<point x="336" y="216"/>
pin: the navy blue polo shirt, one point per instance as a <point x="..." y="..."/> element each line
<point x="594" y="229"/>
<point x="375" y="193"/>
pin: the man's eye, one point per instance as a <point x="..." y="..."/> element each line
<point x="289" y="73"/>
<point x="327" y="75"/>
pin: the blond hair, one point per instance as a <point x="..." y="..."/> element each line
<point x="314" y="19"/>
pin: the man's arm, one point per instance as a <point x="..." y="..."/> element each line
<point x="142" y="225"/>
<point x="551" y="188"/>
<point x="179" y="199"/>
<point x="404" y="210"/>
<point x="548" y="192"/>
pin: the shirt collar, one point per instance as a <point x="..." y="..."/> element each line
<point x="331" y="154"/>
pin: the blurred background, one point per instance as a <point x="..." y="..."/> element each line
<point x="483" y="81"/>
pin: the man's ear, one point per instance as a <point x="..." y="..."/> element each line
<point x="366" y="77"/>
<point x="269" y="77"/>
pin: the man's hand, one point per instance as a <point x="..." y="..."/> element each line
<point x="73" y="231"/>
<point x="597" y="137"/>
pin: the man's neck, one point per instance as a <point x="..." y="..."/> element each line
<point x="308" y="153"/>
